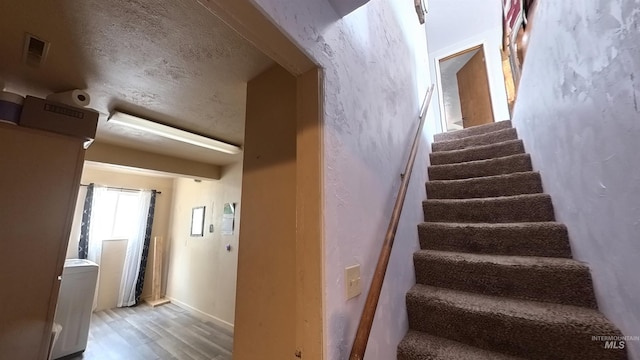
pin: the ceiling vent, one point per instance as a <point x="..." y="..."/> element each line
<point x="35" y="50"/>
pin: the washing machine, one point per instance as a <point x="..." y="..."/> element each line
<point x="75" y="306"/>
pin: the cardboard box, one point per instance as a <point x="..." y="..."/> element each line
<point x="59" y="118"/>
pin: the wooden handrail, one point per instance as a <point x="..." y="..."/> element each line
<point x="371" y="304"/>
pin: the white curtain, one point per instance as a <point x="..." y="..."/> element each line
<point x="111" y="213"/>
<point x="94" y="243"/>
<point x="127" y="293"/>
<point x="100" y="223"/>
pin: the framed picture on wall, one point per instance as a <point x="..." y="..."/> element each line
<point x="197" y="221"/>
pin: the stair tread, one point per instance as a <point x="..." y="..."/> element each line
<point x="518" y="327"/>
<point x="490" y="199"/>
<point x="476" y="140"/>
<point x="483" y="161"/>
<point x="489" y="178"/>
<point x="518" y="183"/>
<point x="478" y="147"/>
<point x="479" y="168"/>
<point x="476" y="150"/>
<point x="582" y="320"/>
<point x="417" y="345"/>
<point x="547" y="279"/>
<point x="521" y="238"/>
<point x="474" y="130"/>
<point x="501" y="209"/>
<point x="511" y="225"/>
<point x="503" y="260"/>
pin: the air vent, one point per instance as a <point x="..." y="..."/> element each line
<point x="35" y="50"/>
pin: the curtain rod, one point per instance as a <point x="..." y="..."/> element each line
<point x="121" y="188"/>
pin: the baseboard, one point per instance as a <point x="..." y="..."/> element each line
<point x="159" y="302"/>
<point x="224" y="324"/>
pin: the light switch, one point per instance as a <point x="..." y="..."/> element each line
<point x="352" y="281"/>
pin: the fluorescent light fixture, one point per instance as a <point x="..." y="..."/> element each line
<point x="168" y="132"/>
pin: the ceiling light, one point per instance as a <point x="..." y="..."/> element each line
<point x="168" y="132"/>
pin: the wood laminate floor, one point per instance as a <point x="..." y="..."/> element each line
<point x="146" y="333"/>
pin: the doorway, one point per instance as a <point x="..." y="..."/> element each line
<point x="464" y="83"/>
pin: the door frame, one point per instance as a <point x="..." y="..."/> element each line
<point x="255" y="26"/>
<point x="464" y="48"/>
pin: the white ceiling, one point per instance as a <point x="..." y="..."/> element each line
<point x="169" y="61"/>
<point x="452" y="21"/>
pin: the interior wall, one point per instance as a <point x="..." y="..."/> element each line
<point x="266" y="290"/>
<point x="201" y="272"/>
<point x="376" y="75"/>
<point x="452" y="106"/>
<point x="115" y="178"/>
<point x="456" y="25"/>
<point x="121" y="156"/>
<point x="577" y="111"/>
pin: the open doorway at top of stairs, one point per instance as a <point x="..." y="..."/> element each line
<point x="466" y="95"/>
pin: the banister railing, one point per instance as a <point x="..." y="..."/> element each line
<point x="371" y="304"/>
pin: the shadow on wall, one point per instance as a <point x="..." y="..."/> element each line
<point x="344" y="7"/>
<point x="275" y="85"/>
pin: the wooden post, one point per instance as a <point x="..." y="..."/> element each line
<point x="156" y="281"/>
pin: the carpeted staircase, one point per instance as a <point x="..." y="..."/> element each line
<point x="495" y="277"/>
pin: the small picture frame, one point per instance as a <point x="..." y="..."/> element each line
<point x="197" y="221"/>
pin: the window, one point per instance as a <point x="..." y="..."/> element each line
<point x="117" y="214"/>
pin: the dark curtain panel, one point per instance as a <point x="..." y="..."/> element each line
<point x="145" y="248"/>
<point x="83" y="244"/>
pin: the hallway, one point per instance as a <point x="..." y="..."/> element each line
<point x="162" y="333"/>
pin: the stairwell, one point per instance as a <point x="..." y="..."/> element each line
<point x="495" y="277"/>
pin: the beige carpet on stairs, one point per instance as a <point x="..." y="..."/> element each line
<point x="495" y="277"/>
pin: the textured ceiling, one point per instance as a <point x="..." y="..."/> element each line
<point x="169" y="61"/>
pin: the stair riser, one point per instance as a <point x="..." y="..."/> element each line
<point x="419" y="346"/>
<point x="475" y="130"/>
<point x="497" y="210"/>
<point x="485" y="187"/>
<point x="510" y="335"/>
<point x="479" y="140"/>
<point x="566" y="285"/>
<point x="479" y="153"/>
<point x="500" y="166"/>
<point x="542" y="241"/>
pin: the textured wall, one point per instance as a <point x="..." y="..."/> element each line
<point x="201" y="272"/>
<point x="578" y="113"/>
<point x="376" y="74"/>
